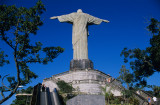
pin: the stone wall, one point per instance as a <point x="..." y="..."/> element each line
<point x="84" y="81"/>
<point x="87" y="100"/>
<point x="88" y="88"/>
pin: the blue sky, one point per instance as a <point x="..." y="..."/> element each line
<point x="127" y="28"/>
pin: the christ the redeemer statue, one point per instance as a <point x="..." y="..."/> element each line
<point x="80" y="22"/>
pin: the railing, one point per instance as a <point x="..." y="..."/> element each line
<point x="146" y="94"/>
<point x="142" y="100"/>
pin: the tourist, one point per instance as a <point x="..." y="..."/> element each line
<point x="155" y="100"/>
<point x="149" y="100"/>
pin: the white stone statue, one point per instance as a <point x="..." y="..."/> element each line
<point x="80" y="23"/>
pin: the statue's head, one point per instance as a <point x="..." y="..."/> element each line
<point x="79" y="11"/>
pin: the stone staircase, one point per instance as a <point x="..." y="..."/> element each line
<point x="142" y="96"/>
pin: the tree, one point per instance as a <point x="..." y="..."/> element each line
<point x="16" y="27"/>
<point x="21" y="100"/>
<point x="125" y="76"/>
<point x="156" y="91"/>
<point x="107" y="92"/>
<point x="145" y="63"/>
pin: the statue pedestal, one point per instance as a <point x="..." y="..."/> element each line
<point x="81" y="64"/>
<point x="87" y="100"/>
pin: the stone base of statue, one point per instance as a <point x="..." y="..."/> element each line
<point x="87" y="81"/>
<point x="81" y="64"/>
<point x="87" y="100"/>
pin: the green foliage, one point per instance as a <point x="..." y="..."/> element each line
<point x="127" y="98"/>
<point x="109" y="96"/>
<point x="127" y="93"/>
<point x="133" y="101"/>
<point x="12" y="82"/>
<point x="21" y="100"/>
<point x="116" y="101"/>
<point x="156" y="91"/>
<point x="65" y="91"/>
<point x="16" y="27"/>
<point x="3" y="57"/>
<point x="64" y="87"/>
<point x="145" y="63"/>
<point x="125" y="76"/>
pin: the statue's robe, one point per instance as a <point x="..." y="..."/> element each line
<point x="80" y="23"/>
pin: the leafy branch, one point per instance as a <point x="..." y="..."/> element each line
<point x="22" y="22"/>
<point x="145" y="63"/>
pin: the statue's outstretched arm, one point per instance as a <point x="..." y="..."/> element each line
<point x="54" y="17"/>
<point x="105" y="21"/>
